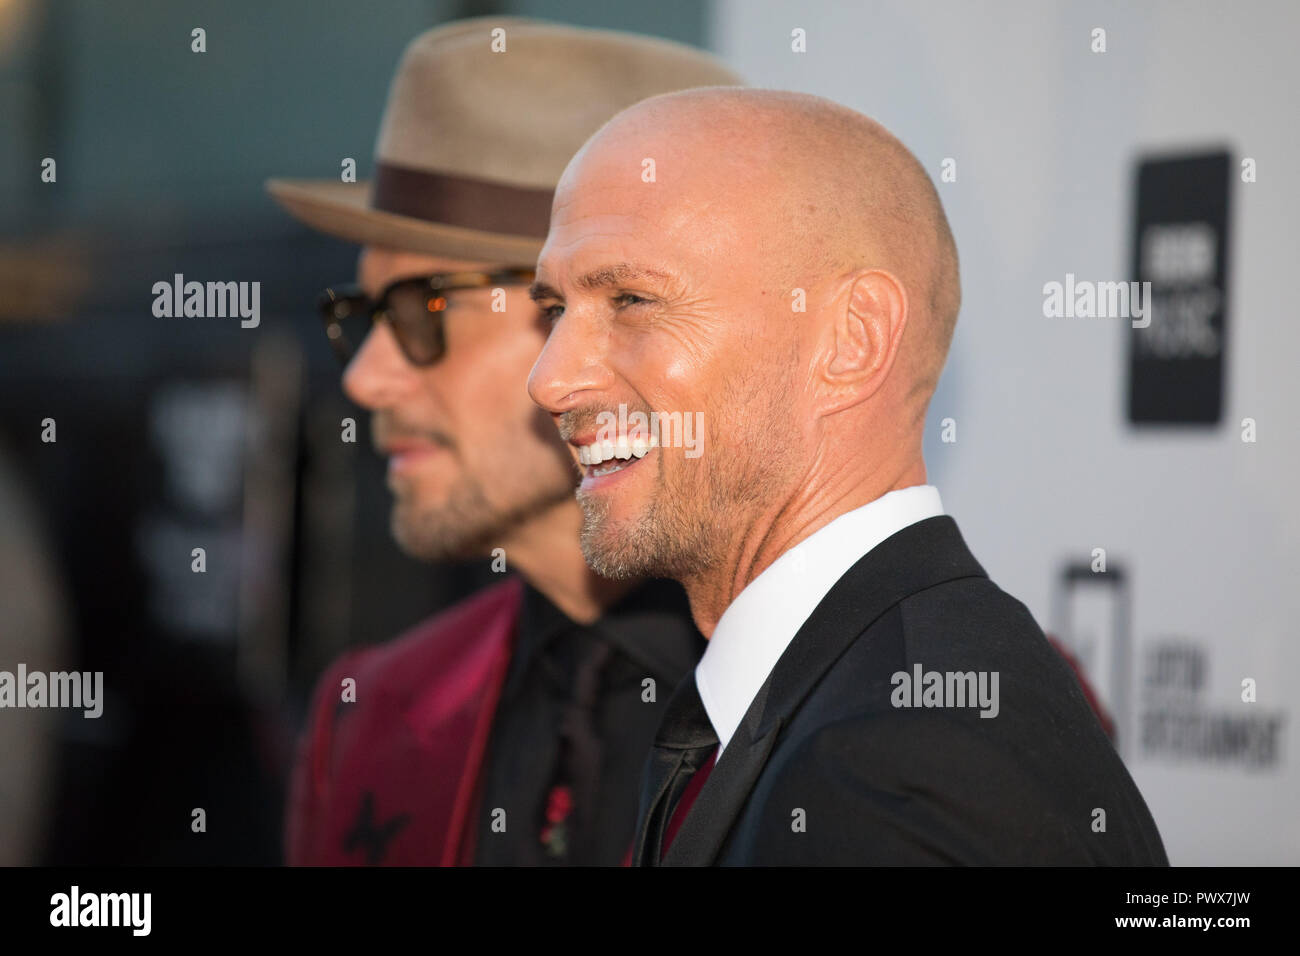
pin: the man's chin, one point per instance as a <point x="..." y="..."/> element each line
<point x="466" y="526"/>
<point x="635" y="548"/>
<point x="606" y="541"/>
<point x="614" y="563"/>
<point x="438" y="534"/>
<point x="418" y="540"/>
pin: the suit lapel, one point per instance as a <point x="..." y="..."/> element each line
<point x="451" y="719"/>
<point x="922" y="555"/>
<point x="721" y="798"/>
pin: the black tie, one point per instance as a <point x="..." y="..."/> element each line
<point x="581" y="755"/>
<point x="683" y="745"/>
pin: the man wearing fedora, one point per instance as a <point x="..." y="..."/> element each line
<point x="510" y="729"/>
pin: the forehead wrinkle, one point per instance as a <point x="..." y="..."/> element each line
<point x="602" y="277"/>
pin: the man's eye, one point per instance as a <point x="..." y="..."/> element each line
<point x="624" y="299"/>
<point x="552" y="312"/>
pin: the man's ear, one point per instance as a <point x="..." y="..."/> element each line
<point x="864" y="339"/>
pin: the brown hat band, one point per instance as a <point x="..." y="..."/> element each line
<point x="462" y="201"/>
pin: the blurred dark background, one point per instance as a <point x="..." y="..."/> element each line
<point x="176" y="434"/>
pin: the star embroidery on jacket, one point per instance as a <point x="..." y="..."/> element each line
<point x="365" y="833"/>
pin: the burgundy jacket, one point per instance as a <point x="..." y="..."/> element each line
<point x="395" y="777"/>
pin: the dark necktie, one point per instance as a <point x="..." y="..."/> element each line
<point x="575" y="663"/>
<point x="685" y="744"/>
<point x="582" y="739"/>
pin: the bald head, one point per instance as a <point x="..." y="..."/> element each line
<point x="831" y="190"/>
<point x="773" y="266"/>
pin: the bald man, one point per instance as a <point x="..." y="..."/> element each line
<point x="778" y="269"/>
<point x="509" y="729"/>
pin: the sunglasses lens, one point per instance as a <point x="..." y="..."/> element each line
<point x="415" y="314"/>
<point x="346" y="322"/>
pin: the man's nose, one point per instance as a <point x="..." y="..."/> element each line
<point x="572" y="363"/>
<point x="379" y="375"/>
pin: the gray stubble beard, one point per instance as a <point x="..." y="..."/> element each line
<point x="667" y="541"/>
<point x="657" y="545"/>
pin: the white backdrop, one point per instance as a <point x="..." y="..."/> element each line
<point x="1045" y="467"/>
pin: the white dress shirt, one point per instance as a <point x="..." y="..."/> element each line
<point x="760" y="623"/>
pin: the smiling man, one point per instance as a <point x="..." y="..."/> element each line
<point x="868" y="694"/>
<point x="511" y="728"/>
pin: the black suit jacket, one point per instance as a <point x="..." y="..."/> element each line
<point x="872" y="783"/>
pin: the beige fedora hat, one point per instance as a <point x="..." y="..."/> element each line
<point x="473" y="141"/>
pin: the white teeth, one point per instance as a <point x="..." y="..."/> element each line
<point x="623" y="448"/>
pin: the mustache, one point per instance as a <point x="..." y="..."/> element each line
<point x="576" y="421"/>
<point x="387" y="429"/>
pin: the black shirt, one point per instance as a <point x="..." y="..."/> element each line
<point x="574" y="725"/>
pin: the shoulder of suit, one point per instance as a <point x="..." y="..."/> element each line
<point x="972" y="636"/>
<point x="972" y="622"/>
<point x="1016" y="703"/>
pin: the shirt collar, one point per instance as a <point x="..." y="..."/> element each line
<point x="760" y="623"/>
<point x="651" y="625"/>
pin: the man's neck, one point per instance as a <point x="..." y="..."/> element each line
<point x="774" y="532"/>
<point x="545" y="550"/>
